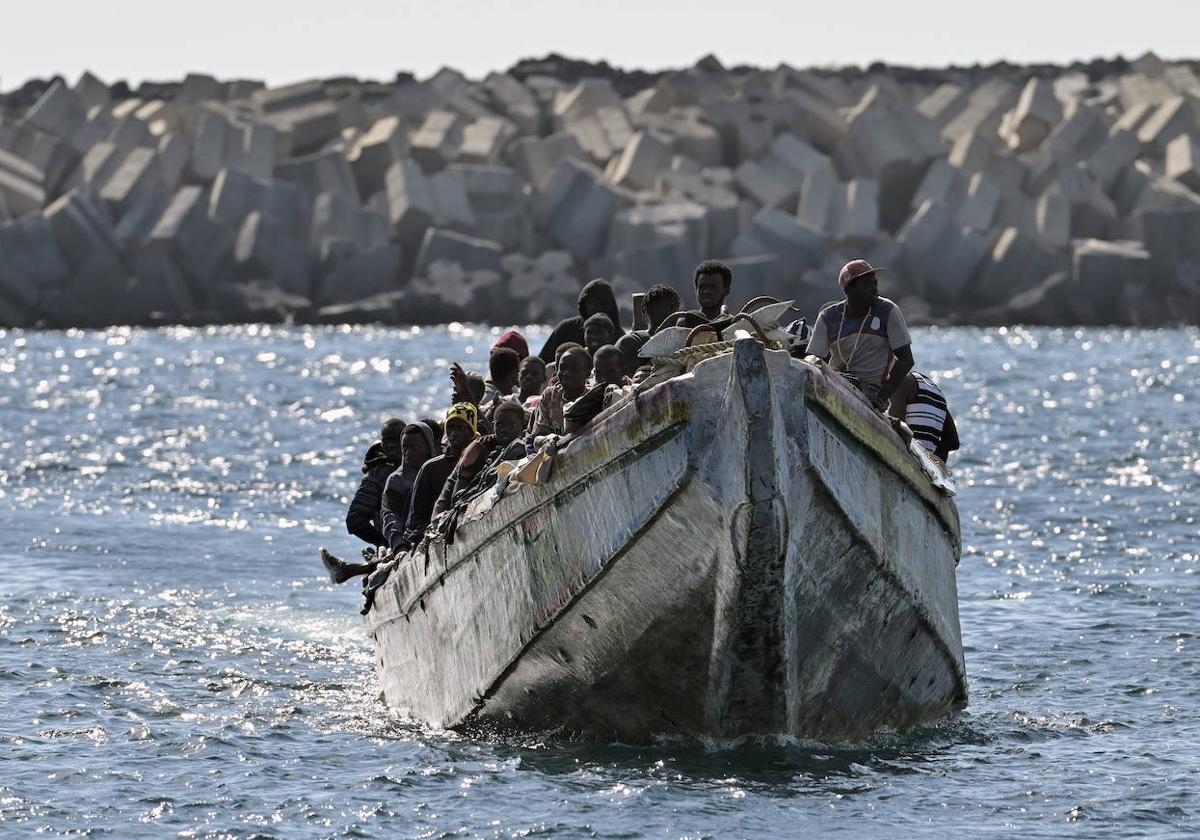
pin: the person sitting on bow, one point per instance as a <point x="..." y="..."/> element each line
<point x="864" y="336"/>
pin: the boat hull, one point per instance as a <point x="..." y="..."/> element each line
<point x="745" y="549"/>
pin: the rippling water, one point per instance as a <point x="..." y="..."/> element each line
<point x="172" y="661"/>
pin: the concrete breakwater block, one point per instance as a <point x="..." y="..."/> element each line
<point x="81" y="226"/>
<point x="1183" y="161"/>
<point x="21" y="190"/>
<point x="31" y="268"/>
<point x="577" y="207"/>
<point x="136" y="174"/>
<point x="374" y="151"/>
<point x="199" y="245"/>
<point x="1036" y="113"/>
<point x="436" y="143"/>
<point x="449" y="247"/>
<point x="360" y="274"/>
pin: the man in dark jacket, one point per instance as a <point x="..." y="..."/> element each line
<point x="364" y="518"/>
<point x="596" y="296"/>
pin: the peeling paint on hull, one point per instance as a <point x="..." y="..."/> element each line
<point x="744" y="549"/>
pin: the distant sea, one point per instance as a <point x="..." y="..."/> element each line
<point x="173" y="662"/>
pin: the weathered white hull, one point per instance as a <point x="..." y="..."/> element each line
<point x="745" y="549"/>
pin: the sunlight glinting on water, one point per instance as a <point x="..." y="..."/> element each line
<point x="173" y="661"/>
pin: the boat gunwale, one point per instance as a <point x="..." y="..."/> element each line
<point x="951" y="524"/>
<point x="901" y="461"/>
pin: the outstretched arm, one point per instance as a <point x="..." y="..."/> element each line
<point x="900" y="368"/>
<point x="903" y="396"/>
<point x="460" y="387"/>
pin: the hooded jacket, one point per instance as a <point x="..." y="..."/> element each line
<point x="364" y="518"/>
<point x="397" y="493"/>
<point x="571" y="329"/>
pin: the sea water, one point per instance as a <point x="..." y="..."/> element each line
<point x="173" y="661"/>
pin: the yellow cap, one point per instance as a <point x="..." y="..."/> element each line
<point x="465" y="412"/>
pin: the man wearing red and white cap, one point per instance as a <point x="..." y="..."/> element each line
<point x="864" y="336"/>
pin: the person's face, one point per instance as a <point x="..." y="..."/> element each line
<point x="862" y="291"/>
<point x="531" y="378"/>
<point x="573" y="371"/>
<point x="508" y="427"/>
<point x="595" y="337"/>
<point x="414" y="450"/>
<point x="610" y="369"/>
<point x="710" y="291"/>
<point x="660" y="309"/>
<point x="591" y="306"/>
<point x="458" y="434"/>
<point x="393" y="447"/>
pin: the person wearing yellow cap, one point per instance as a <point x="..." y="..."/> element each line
<point x="461" y="427"/>
<point x="864" y="336"/>
<point x="506" y="443"/>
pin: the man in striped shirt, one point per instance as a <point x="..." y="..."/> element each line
<point x="923" y="406"/>
<point x="864" y="336"/>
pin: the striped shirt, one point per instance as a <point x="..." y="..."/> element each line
<point x="926" y="414"/>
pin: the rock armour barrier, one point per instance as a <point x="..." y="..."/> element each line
<point x="998" y="195"/>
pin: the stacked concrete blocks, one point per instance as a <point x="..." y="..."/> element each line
<point x="449" y="197"/>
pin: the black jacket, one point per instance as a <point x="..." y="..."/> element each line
<point x="364" y="519"/>
<point x="425" y="493"/>
<point x="571" y="329"/>
<point x="397" y="494"/>
<point x="630" y="345"/>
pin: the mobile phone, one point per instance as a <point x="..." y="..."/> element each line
<point x="641" y="321"/>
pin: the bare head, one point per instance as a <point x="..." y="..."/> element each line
<point x="713" y="281"/>
<point x="573" y="369"/>
<point x="508" y="422"/>
<point x="502" y="368"/>
<point x="531" y="377"/>
<point x="390" y="436"/>
<point x="661" y="301"/>
<point x="562" y="350"/>
<point x="609" y="365"/>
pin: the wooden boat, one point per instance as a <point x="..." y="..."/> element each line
<point x="744" y="548"/>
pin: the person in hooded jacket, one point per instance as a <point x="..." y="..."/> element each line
<point x="596" y="296"/>
<point x="364" y="519"/>
<point x="422" y="441"/>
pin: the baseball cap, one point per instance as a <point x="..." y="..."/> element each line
<point x="855" y="269"/>
<point x="514" y="341"/>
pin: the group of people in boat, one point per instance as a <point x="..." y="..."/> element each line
<point x="419" y="470"/>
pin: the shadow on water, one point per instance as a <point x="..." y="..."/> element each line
<point x="776" y="765"/>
